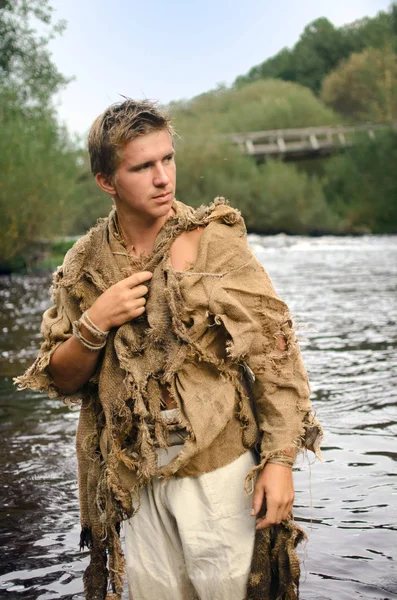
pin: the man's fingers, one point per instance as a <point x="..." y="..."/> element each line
<point x="274" y="515"/>
<point x="138" y="303"/>
<point x="138" y="311"/>
<point x="138" y="278"/>
<point x="270" y="518"/>
<point x="267" y="521"/>
<point x="138" y="291"/>
<point x="257" y="502"/>
<point x="263" y="523"/>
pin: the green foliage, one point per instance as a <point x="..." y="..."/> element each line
<point x="272" y="197"/>
<point x="322" y="46"/>
<point x="267" y="104"/>
<point x="38" y="165"/>
<point x="27" y="72"/>
<point x="364" y="87"/>
<point x="361" y="185"/>
<point x="290" y="201"/>
<point x="55" y="253"/>
<point x="46" y="189"/>
<point x="279" y="66"/>
<point x="318" y="50"/>
<point x="89" y="201"/>
<point x="208" y="169"/>
<point x="373" y="32"/>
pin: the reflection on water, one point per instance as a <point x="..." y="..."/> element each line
<point x="343" y="292"/>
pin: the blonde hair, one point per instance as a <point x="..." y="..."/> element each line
<point x="118" y="125"/>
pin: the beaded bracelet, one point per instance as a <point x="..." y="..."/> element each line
<point x="87" y="343"/>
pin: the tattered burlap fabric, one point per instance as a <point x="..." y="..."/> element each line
<point x="199" y="329"/>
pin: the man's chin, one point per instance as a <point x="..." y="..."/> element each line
<point x="164" y="209"/>
<point x="166" y="205"/>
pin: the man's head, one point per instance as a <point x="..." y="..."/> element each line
<point x="132" y="157"/>
<point x="116" y="126"/>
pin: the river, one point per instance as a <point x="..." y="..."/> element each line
<point x="343" y="293"/>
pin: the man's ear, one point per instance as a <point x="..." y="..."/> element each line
<point x="105" y="183"/>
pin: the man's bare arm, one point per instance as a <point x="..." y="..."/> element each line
<point x="72" y="364"/>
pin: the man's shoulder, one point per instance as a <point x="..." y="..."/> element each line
<point x="219" y="214"/>
<point x="219" y="240"/>
<point x="225" y="226"/>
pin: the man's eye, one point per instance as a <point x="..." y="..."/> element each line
<point x="169" y="158"/>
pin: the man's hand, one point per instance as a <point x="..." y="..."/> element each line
<point x="122" y="302"/>
<point x="276" y="483"/>
<point x="72" y="364"/>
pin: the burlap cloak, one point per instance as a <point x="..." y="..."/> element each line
<point x="202" y="328"/>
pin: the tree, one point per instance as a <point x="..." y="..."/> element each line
<point x="361" y="185"/>
<point x="28" y="77"/>
<point x="279" y="66"/>
<point x="364" y="87"/>
<point x="37" y="158"/>
<point x="265" y="104"/>
<point x="322" y="47"/>
<point x="319" y="49"/>
<point x="373" y="32"/>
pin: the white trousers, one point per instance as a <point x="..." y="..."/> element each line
<point x="193" y="537"/>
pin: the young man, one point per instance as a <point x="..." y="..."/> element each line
<point x="169" y="333"/>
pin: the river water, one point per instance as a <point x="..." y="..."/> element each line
<point x="343" y="292"/>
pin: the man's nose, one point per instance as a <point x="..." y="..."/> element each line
<point x="160" y="176"/>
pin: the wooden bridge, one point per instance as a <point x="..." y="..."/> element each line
<point x="309" y="142"/>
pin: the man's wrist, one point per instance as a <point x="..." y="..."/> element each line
<point x="87" y="334"/>
<point x="87" y="337"/>
<point x="281" y="462"/>
<point x="100" y="322"/>
<point x="285" y="458"/>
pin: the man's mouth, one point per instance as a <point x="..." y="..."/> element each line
<point x="164" y="196"/>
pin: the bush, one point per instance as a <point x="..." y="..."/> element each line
<point x="291" y="201"/>
<point x="364" y="87"/>
<point x="361" y="185"/>
<point x="273" y="197"/>
<point x="267" y="104"/>
<point x="39" y="169"/>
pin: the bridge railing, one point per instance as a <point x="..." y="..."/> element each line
<point x="303" y="141"/>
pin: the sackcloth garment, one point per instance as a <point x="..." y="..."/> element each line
<point x="200" y="329"/>
<point x="189" y="540"/>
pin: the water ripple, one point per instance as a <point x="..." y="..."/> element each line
<point x="342" y="292"/>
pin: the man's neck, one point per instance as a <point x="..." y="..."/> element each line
<point x="140" y="234"/>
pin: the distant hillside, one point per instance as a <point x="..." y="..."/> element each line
<point x="322" y="46"/>
<point x="267" y="104"/>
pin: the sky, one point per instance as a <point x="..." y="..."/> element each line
<point x="175" y="49"/>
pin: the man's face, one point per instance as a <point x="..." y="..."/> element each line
<point x="144" y="182"/>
